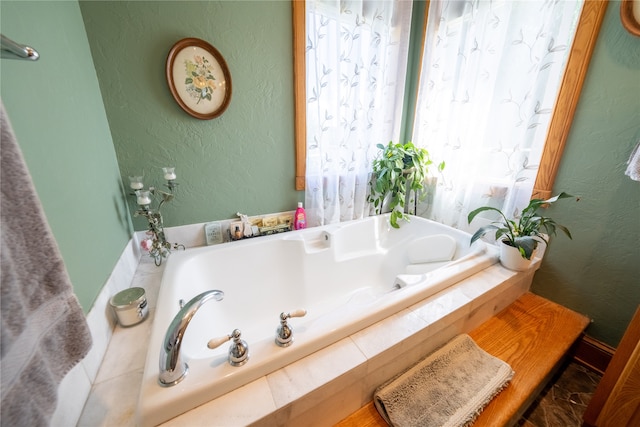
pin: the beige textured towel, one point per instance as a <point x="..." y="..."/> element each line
<point x="44" y="331"/>
<point x="450" y="387"/>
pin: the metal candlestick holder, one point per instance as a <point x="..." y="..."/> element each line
<point x="157" y="245"/>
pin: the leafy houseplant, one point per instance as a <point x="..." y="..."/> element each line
<point x="398" y="166"/>
<point x="523" y="233"/>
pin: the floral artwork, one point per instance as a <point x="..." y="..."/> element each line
<point x="200" y="82"/>
<point x="198" y="78"/>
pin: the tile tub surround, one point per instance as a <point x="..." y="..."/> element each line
<point x="76" y="385"/>
<point x="102" y="323"/>
<point x="320" y="389"/>
<point x="193" y="235"/>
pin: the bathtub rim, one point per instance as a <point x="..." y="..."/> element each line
<point x="152" y="346"/>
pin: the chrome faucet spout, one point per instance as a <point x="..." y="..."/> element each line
<point x="172" y="369"/>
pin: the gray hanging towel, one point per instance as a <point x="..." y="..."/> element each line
<point x="44" y="331"/>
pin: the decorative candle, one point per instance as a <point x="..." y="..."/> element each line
<point x="143" y="197"/>
<point x="135" y="182"/>
<point x="169" y="173"/>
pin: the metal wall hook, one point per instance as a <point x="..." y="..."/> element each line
<point x="13" y="50"/>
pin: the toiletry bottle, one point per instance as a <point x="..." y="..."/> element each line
<point x="300" y="218"/>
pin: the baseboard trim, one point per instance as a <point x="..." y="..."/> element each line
<point x="593" y="354"/>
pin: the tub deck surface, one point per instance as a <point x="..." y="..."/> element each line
<point x="319" y="390"/>
<point x="533" y="335"/>
<point x="348" y="277"/>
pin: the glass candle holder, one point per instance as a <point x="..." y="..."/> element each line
<point x="135" y="182"/>
<point x="169" y="173"/>
<point x="143" y="197"/>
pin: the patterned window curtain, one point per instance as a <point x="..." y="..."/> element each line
<point x="356" y="61"/>
<point x="491" y="73"/>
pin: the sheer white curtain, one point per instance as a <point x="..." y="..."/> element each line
<point x="356" y="59"/>
<point x="490" y="76"/>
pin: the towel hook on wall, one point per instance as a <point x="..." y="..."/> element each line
<point x="13" y="50"/>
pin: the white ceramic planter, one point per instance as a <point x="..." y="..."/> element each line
<point x="510" y="257"/>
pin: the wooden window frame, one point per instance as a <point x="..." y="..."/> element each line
<point x="299" y="91"/>
<point x="575" y="73"/>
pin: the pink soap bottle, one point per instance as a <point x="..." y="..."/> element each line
<point x="300" y="218"/>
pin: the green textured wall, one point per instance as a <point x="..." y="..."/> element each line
<point x="243" y="160"/>
<point x="56" y="111"/>
<point x="598" y="272"/>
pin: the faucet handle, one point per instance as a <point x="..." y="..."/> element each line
<point x="217" y="342"/>
<point x="301" y="312"/>
<point x="284" y="333"/>
<point x="238" y="351"/>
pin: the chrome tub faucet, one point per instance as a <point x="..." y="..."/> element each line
<point x="172" y="368"/>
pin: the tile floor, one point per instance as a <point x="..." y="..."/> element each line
<point x="564" y="400"/>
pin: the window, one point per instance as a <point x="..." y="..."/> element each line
<point x="582" y="47"/>
<point x="356" y="64"/>
<point x="489" y="80"/>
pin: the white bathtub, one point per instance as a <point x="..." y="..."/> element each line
<point x="347" y="276"/>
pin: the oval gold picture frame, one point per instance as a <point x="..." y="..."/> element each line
<point x="198" y="78"/>
<point x="630" y="16"/>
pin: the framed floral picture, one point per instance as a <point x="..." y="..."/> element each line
<point x="630" y="16"/>
<point x="198" y="78"/>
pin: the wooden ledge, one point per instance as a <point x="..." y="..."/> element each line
<point x="533" y="335"/>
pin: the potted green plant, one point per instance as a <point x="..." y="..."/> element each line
<point x="399" y="169"/>
<point x="520" y="236"/>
